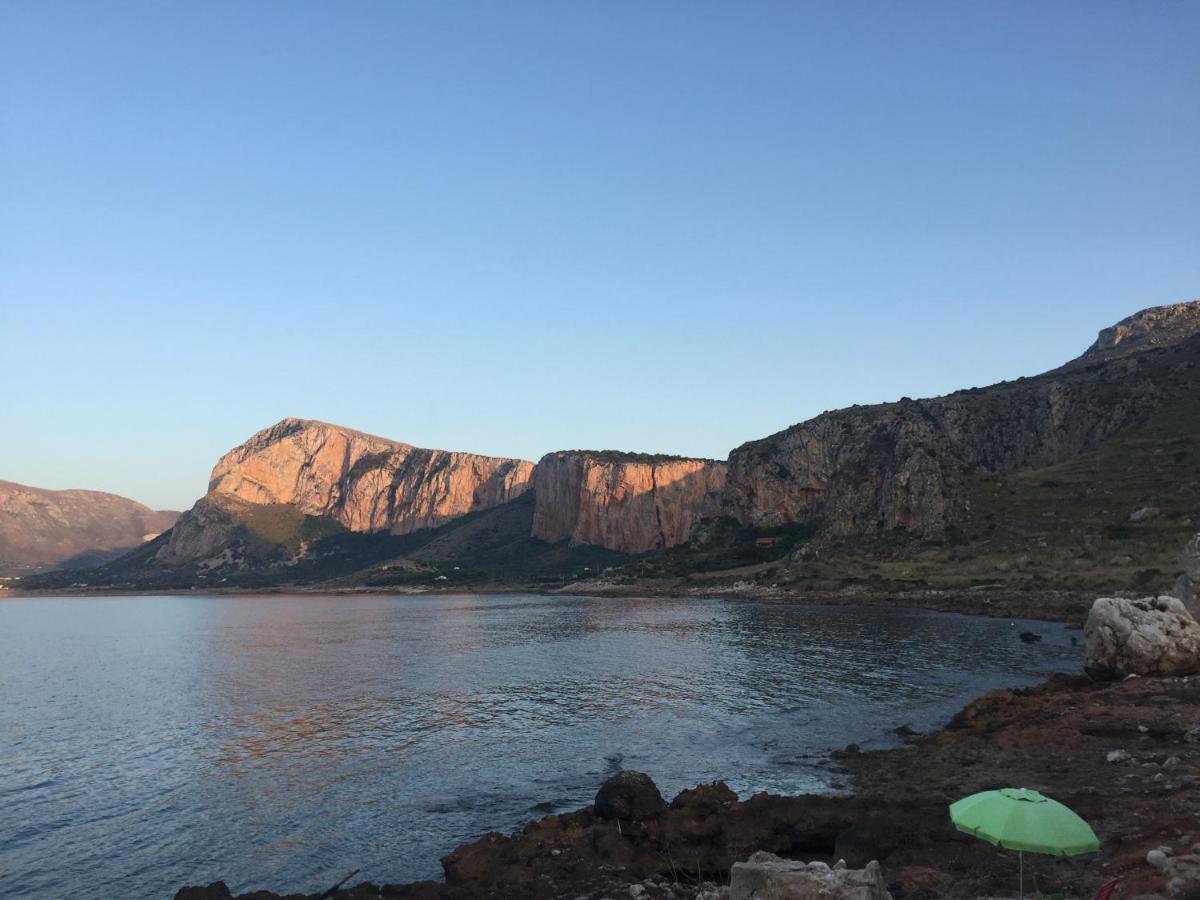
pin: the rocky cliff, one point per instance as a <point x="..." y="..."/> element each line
<point x="48" y="528"/>
<point x="366" y="483"/>
<point x="624" y="502"/>
<point x="1159" y="326"/>
<point x="871" y="469"/>
<point x="305" y="468"/>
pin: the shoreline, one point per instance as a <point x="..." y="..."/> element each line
<point x="1069" y="608"/>
<point x="1125" y="755"/>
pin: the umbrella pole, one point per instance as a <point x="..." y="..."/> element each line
<point x="1021" y="872"/>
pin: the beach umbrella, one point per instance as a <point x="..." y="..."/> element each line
<point x="1020" y="819"/>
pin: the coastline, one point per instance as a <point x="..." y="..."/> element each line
<point x="1066" y="607"/>
<point x="1125" y="755"/>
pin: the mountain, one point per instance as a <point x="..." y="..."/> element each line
<point x="310" y="479"/>
<point x="623" y="501"/>
<point x="1087" y="474"/>
<point x="41" y="528"/>
<point x="870" y="470"/>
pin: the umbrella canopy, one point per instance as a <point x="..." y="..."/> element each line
<point x="1021" y="819"/>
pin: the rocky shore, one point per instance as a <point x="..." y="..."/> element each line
<point x="1124" y="754"/>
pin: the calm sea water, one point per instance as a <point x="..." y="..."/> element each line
<point x="152" y="742"/>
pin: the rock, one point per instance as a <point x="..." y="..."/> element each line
<point x="363" y="483"/>
<point x="637" y="890"/>
<point x="1030" y="637"/>
<point x="766" y="875"/>
<point x="366" y="483"/>
<point x="1145" y="514"/>
<point x="1157" y="858"/>
<point x="623" y="501"/>
<point x="1151" y="636"/>
<point x="1187" y="587"/>
<point x="218" y="890"/>
<point x="1117" y="756"/>
<point x="1183" y="877"/>
<point x="629" y="795"/>
<point x="873" y="470"/>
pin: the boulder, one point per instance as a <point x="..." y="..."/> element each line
<point x="766" y="875"/>
<point x="1151" y="636"/>
<point x="629" y="795"/>
<point x="218" y="890"/>
<point x="1187" y="588"/>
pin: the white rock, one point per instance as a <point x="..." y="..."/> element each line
<point x="1157" y="858"/>
<point x="767" y="875"/>
<point x="1117" y="756"/>
<point x="1151" y="636"/>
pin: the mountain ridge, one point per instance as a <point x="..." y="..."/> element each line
<point x="904" y="475"/>
<point x="40" y="527"/>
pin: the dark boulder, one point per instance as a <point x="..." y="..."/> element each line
<point x="629" y="795"/>
<point x="218" y="890"/>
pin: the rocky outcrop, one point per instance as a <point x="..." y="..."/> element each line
<point x="364" y="482"/>
<point x="629" y="795"/>
<point x="48" y="528"/>
<point x="1187" y="588"/>
<point x="1153" y="636"/>
<point x="766" y="876"/>
<point x="626" y="502"/>
<point x="1158" y="326"/>
<point x="871" y="469"/>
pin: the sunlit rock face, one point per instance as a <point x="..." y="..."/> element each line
<point x="870" y="469"/>
<point x="624" y="502"/>
<point x="366" y="483"/>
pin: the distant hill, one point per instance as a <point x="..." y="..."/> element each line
<point x="71" y="529"/>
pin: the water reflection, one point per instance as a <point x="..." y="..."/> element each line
<point x="275" y="741"/>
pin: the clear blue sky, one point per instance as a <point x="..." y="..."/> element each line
<point x="513" y="228"/>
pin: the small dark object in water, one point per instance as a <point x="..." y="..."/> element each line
<point x="1030" y="637"/>
<point x="906" y="731"/>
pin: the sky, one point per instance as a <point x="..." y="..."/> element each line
<point x="521" y="227"/>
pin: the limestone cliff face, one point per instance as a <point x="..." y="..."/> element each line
<point x="622" y="501"/>
<point x="366" y="483"/>
<point x="1158" y="326"/>
<point x="45" y="528"/>
<point x="867" y="470"/>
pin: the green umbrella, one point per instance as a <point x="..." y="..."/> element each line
<point x="1020" y="819"/>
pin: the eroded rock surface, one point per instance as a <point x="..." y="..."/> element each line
<point x="1187" y="588"/>
<point x="366" y="483"/>
<point x="623" y="502"/>
<point x="1151" y="636"/>
<point x="903" y="465"/>
<point x="766" y="876"/>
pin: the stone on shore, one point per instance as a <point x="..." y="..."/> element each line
<point x="1154" y="636"/>
<point x="766" y="875"/>
<point x="631" y="796"/>
<point x="1187" y="588"/>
